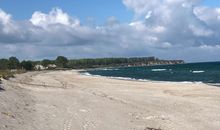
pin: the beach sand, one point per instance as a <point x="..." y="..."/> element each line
<point x="66" y="100"/>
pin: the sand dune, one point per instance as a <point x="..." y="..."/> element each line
<point x="66" y="100"/>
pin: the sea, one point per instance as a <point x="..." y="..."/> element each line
<point x="208" y="72"/>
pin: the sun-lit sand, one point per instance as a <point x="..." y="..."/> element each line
<point x="66" y="100"/>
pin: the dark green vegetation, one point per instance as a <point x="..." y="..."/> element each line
<point x="46" y="62"/>
<point x="27" y="65"/>
<point x="8" y="67"/>
<point x="119" y="62"/>
<point x="62" y="62"/>
<point x="14" y="64"/>
<point x="11" y="66"/>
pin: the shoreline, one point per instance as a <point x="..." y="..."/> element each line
<point x="85" y="73"/>
<point x="180" y="73"/>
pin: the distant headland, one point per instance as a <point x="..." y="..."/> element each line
<point x="62" y="62"/>
<point x="11" y="66"/>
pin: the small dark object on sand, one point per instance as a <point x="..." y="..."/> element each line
<point x="148" y="128"/>
<point x="1" y="89"/>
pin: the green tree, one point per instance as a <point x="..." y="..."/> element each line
<point x="27" y="65"/>
<point x="46" y="62"/>
<point x="3" y="64"/>
<point x="61" y="62"/>
<point x="13" y="63"/>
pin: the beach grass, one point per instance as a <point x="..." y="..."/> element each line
<point x="6" y="74"/>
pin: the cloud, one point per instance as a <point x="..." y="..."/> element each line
<point x="200" y="31"/>
<point x="170" y="29"/>
<point x="6" y="22"/>
<point x="185" y="24"/>
<point x="142" y="7"/>
<point x="57" y="33"/>
<point x="55" y="16"/>
<point x="4" y="18"/>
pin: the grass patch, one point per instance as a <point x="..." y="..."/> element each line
<point x="6" y="74"/>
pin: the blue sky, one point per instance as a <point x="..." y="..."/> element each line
<point x="212" y="3"/>
<point x="99" y="10"/>
<point x="168" y="29"/>
<point x="83" y="9"/>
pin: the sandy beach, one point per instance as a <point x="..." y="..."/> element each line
<point x="66" y="100"/>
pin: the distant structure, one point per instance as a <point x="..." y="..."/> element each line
<point x="51" y="66"/>
<point x="39" y="67"/>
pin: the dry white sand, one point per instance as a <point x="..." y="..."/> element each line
<point x="66" y="100"/>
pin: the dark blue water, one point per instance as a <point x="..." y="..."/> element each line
<point x="194" y="72"/>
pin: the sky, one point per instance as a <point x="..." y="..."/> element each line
<point x="168" y="29"/>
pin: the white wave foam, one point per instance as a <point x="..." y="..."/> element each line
<point x="87" y="74"/>
<point x="191" y="82"/>
<point x="214" y="84"/>
<point x="158" y="70"/>
<point x="121" y="78"/>
<point x="107" y="69"/>
<point x="145" y="80"/>
<point x="200" y="71"/>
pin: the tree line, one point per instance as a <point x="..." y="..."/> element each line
<point x="13" y="63"/>
<point x="110" y="62"/>
<point x="63" y="62"/>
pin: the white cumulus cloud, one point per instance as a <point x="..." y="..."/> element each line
<point x="170" y="29"/>
<point x="55" y="16"/>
